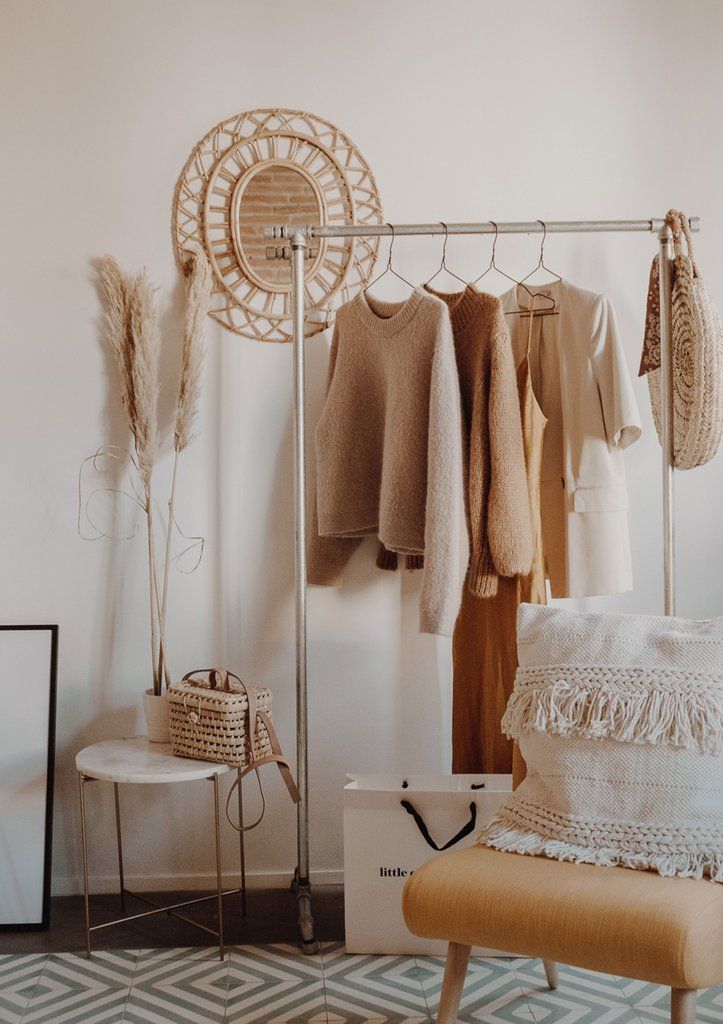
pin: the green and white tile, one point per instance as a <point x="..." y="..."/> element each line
<point x="178" y="990"/>
<point x="274" y="984"/>
<point x="75" y="990"/>
<point x="181" y="953"/>
<point x="583" y="997"/>
<point x="654" y="1005"/>
<point x="18" y="978"/>
<point x="492" y="993"/>
<point x="710" y="1005"/>
<point x="372" y="988"/>
<point x="277" y="984"/>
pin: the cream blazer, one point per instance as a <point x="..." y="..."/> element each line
<point x="583" y="387"/>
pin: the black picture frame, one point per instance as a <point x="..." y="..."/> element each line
<point x="44" y="923"/>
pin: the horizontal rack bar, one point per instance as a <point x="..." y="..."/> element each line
<point x="520" y="227"/>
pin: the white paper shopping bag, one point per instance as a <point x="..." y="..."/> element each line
<point x="393" y="825"/>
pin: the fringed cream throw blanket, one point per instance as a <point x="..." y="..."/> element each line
<point x="620" y="721"/>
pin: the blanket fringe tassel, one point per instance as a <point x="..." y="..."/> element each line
<point x="511" y="839"/>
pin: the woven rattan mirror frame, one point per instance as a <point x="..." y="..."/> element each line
<point x="335" y="186"/>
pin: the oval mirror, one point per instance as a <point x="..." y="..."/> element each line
<point x="276" y="194"/>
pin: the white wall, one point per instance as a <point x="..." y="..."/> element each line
<point x="465" y="111"/>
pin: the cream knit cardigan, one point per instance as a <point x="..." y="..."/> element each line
<point x="389" y="448"/>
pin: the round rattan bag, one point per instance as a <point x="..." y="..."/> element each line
<point x="697" y="355"/>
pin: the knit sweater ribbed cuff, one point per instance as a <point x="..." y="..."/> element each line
<point x="482" y="579"/>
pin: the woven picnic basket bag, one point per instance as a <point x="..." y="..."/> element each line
<point x="697" y="355"/>
<point x="220" y="718"/>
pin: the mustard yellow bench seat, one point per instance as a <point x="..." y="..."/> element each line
<point x="618" y="921"/>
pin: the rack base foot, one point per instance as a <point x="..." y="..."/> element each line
<point x="302" y="888"/>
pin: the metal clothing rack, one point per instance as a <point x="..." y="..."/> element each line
<point x="297" y="251"/>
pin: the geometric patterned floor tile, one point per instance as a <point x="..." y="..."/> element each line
<point x="492" y="993"/>
<point x="18" y="977"/>
<point x="75" y="990"/>
<point x="277" y="984"/>
<point x="372" y="988"/>
<point x="583" y="997"/>
<point x="652" y="1002"/>
<point x="178" y="990"/>
<point x="710" y="1005"/>
<point x="656" y="1008"/>
<point x="274" y="984"/>
<point x="181" y="953"/>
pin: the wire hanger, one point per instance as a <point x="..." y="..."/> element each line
<point x="522" y="311"/>
<point x="389" y="269"/>
<point x="443" y="264"/>
<point x="541" y="262"/>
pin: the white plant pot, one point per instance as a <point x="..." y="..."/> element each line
<point x="158" y="721"/>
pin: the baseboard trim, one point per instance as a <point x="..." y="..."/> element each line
<point x="70" y="886"/>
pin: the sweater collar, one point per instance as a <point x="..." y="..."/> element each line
<point x="467" y="306"/>
<point x="387" y="318"/>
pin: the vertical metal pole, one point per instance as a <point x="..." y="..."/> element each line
<point x="667" y="413"/>
<point x="242" y="851"/>
<point x="303" y="892"/>
<point x="219" y="887"/>
<point x="119" y="840"/>
<point x="84" y="837"/>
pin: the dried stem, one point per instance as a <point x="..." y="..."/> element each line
<point x="198" y="301"/>
<point x="163" y="665"/>
<point x="153" y="594"/>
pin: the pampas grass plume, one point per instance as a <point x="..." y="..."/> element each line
<point x="198" y="301"/>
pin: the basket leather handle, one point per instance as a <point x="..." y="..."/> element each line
<point x="688" y="241"/>
<point x="216" y="676"/>
<point x="674" y="221"/>
<point x="680" y="226"/>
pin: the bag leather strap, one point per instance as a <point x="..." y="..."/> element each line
<point x="680" y="226"/>
<point x="421" y="825"/>
<point x="277" y="758"/>
<point x="673" y="219"/>
<point x="688" y="241"/>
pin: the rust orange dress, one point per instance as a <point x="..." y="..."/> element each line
<point x="484" y="646"/>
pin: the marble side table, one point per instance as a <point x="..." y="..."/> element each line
<point x="138" y="761"/>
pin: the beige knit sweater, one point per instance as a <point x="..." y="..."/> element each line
<point x="496" y="482"/>
<point x="389" y="448"/>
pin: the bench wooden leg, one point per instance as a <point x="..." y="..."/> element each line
<point x="552" y="973"/>
<point x="682" y="1005"/>
<point x="455" y="971"/>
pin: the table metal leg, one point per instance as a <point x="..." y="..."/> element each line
<point x="219" y="891"/>
<point x="119" y="839"/>
<point x="84" y="835"/>
<point x="242" y="852"/>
